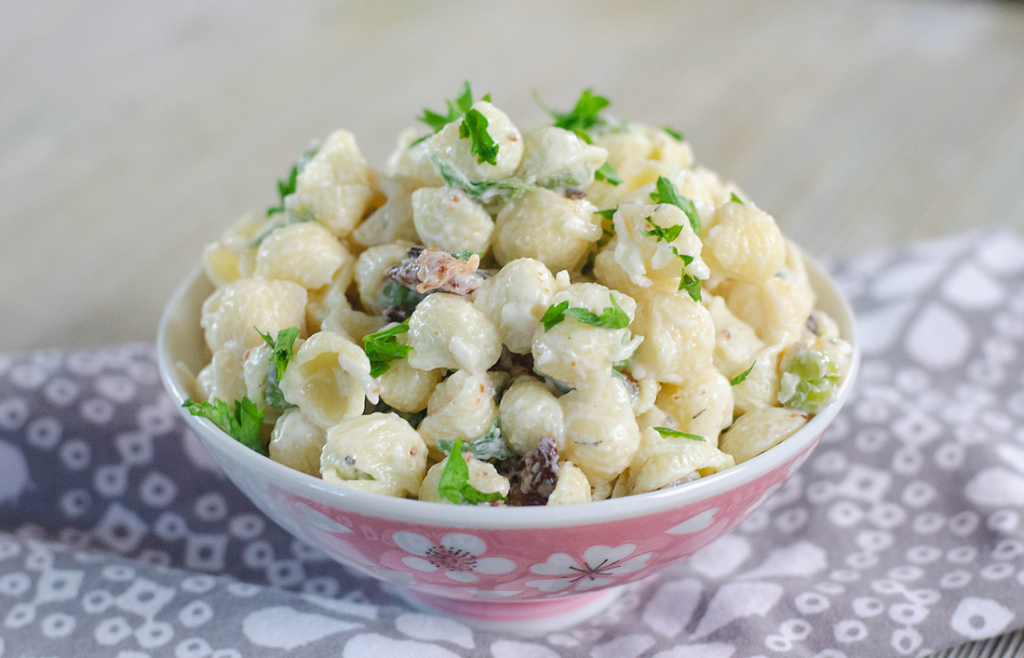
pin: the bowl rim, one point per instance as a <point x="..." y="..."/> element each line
<point x="486" y="517"/>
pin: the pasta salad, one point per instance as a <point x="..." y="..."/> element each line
<point x="568" y="314"/>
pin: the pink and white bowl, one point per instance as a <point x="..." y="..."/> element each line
<point x="523" y="569"/>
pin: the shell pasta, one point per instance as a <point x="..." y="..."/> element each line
<point x="555" y="316"/>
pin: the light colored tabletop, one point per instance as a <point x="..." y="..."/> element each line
<point x="132" y="133"/>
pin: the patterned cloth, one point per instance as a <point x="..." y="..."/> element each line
<point x="902" y="533"/>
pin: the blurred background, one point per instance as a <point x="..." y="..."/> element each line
<point x="133" y="133"/>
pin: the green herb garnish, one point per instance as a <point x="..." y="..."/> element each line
<point x="740" y="378"/>
<point x="281" y="354"/>
<point x="281" y="349"/>
<point x="675" y="134"/>
<point x="287" y="186"/>
<point x="554" y="315"/>
<point x="482" y="191"/>
<point x="454" y="484"/>
<point x="673" y="434"/>
<point x="691" y="285"/>
<point x="395" y="294"/>
<point x="736" y="199"/>
<point x="464" y="254"/>
<point x="382" y="348"/>
<point x="485" y="448"/>
<point x="663" y="234"/>
<point x="612" y="317"/>
<point x="474" y="127"/>
<point x="244" y="424"/>
<point x="667" y="193"/>
<point x="457" y="107"/>
<point x="607" y="174"/>
<point x="584" y="116"/>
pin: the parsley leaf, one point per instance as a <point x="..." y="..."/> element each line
<point x="485" y="448"/>
<point x="612" y="317"/>
<point x="456" y="108"/>
<point x="736" y="199"/>
<point x="554" y="315"/>
<point x="454" y="484"/>
<point x="740" y="378"/>
<point x="675" y="134"/>
<point x="607" y="174"/>
<point x="673" y="434"/>
<point x="474" y="126"/>
<point x="584" y="116"/>
<point x="463" y="254"/>
<point x="664" y="234"/>
<point x="667" y="193"/>
<point x="482" y="191"/>
<point x="383" y="348"/>
<point x="281" y="354"/>
<point x="691" y="285"/>
<point x="281" y="348"/>
<point x="607" y="226"/>
<point x="287" y="186"/>
<point x="244" y="424"/>
<point x="395" y="294"/>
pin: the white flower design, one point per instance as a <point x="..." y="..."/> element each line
<point x="599" y="562"/>
<point x="458" y="555"/>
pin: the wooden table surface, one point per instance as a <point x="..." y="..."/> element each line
<point x="132" y="133"/>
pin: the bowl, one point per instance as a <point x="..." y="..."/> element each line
<point x="525" y="569"/>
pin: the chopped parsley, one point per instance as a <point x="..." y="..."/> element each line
<point x="457" y="107"/>
<point x="691" y="285"/>
<point x="608" y="214"/>
<point x="281" y="348"/>
<point x="474" y="127"/>
<point x="454" y="484"/>
<point x="281" y="354"/>
<point x="612" y="317"/>
<point x="674" y="134"/>
<point x="554" y="315"/>
<point x="673" y="434"/>
<point x="687" y="282"/>
<point x="663" y="234"/>
<point x="740" y="378"/>
<point x="464" y="254"/>
<point x="483" y="191"/>
<point x="584" y="116"/>
<point x="736" y="199"/>
<point x="244" y="424"/>
<point x="397" y="295"/>
<point x="287" y="186"/>
<point x="382" y="348"/>
<point x="607" y="174"/>
<point x="667" y="193"/>
<point x="485" y="448"/>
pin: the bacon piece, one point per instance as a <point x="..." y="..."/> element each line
<point x="540" y="473"/>
<point x="426" y="270"/>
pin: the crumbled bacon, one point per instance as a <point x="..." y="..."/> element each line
<point x="426" y="270"/>
<point x="540" y="473"/>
